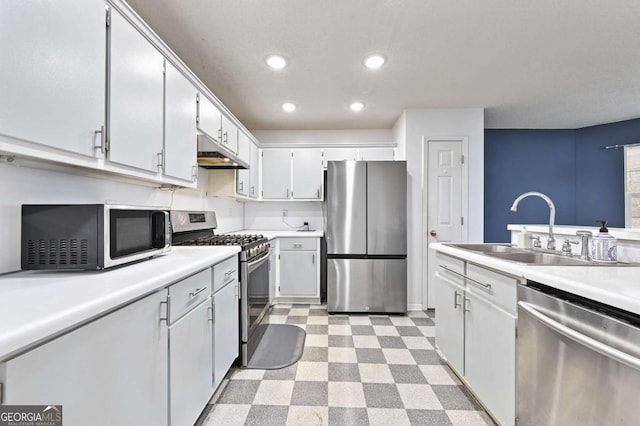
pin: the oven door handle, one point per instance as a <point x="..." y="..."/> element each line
<point x="259" y="261"/>
<point x="580" y="338"/>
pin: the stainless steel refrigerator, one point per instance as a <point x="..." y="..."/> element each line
<point x="366" y="234"/>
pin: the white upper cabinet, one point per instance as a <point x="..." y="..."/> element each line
<point x="180" y="144"/>
<point x="243" y="176"/>
<point x="307" y="174"/>
<point x="276" y="174"/>
<point x="53" y="72"/>
<point x="136" y="98"/>
<point x="209" y="118"/>
<point x="254" y="171"/>
<point x="229" y="135"/>
<point x="376" y="154"/>
<point x="338" y="154"/>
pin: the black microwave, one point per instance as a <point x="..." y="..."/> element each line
<point x="91" y="236"/>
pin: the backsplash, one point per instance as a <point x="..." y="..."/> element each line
<point x="21" y="184"/>
<point x="268" y="215"/>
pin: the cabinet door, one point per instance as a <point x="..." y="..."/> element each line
<point x="338" y="154"/>
<point x="119" y="360"/>
<point x="190" y="369"/>
<point x="276" y="174"/>
<point x="376" y="154"/>
<point x="243" y="177"/>
<point x="298" y="274"/>
<point x="490" y="358"/>
<point x="272" y="276"/>
<point x="450" y="325"/>
<point x="254" y="171"/>
<point x="136" y="115"/>
<point x="180" y="144"/>
<point x="226" y="331"/>
<point x="53" y="72"/>
<point x="209" y="119"/>
<point x="229" y="134"/>
<point x="307" y="174"/>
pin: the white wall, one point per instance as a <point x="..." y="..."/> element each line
<point x="421" y="124"/>
<point x="27" y="185"/>
<point x="400" y="136"/>
<point x="268" y="215"/>
<point x="342" y="138"/>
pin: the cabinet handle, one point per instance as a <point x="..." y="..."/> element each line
<point x="167" y="303"/>
<point x="287" y="192"/>
<point x="252" y="187"/>
<point x="226" y="138"/>
<point x="237" y="294"/>
<point x="160" y="161"/>
<point x="465" y="277"/>
<point x="197" y="291"/>
<point x="241" y="186"/>
<point x="102" y="146"/>
<point x="456" y="304"/>
<point x="210" y="309"/>
<point x="466" y="305"/>
<point x="318" y="193"/>
<point x="194" y="173"/>
<point x="297" y="245"/>
<point x="220" y="135"/>
<point x="313" y="259"/>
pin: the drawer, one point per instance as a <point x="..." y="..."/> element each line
<point x="450" y="267"/>
<point x="188" y="293"/>
<point x="298" y="243"/>
<point x="497" y="288"/>
<point x="225" y="272"/>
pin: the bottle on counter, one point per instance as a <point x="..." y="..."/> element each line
<point x="604" y="246"/>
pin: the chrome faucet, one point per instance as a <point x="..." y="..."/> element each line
<point x="551" y="242"/>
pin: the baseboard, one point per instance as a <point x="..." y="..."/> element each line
<point x="414" y="307"/>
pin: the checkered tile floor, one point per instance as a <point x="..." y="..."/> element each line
<point x="355" y="370"/>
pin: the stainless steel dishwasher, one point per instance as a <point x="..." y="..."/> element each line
<point x="578" y="360"/>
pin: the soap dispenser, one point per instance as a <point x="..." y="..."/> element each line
<point x="604" y="245"/>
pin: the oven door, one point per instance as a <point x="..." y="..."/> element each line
<point x="255" y="293"/>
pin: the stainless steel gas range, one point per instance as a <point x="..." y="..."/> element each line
<point x="197" y="229"/>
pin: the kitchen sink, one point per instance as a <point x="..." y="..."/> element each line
<point x="531" y="256"/>
<point x="489" y="248"/>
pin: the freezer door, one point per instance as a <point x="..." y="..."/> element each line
<point x="346" y="207"/>
<point x="367" y="285"/>
<point x="387" y="208"/>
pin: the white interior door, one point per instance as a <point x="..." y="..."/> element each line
<point x="445" y="199"/>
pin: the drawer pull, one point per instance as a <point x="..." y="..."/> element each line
<point x="197" y="291"/>
<point x="231" y="272"/>
<point x="297" y="246"/>
<point x="465" y="277"/>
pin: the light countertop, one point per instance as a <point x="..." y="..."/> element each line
<point x="271" y="234"/>
<point x="617" y="286"/>
<point x="36" y="306"/>
<point x="621" y="233"/>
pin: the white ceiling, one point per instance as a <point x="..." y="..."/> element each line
<point x="529" y="63"/>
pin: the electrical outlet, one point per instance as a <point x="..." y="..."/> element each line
<point x="285" y="213"/>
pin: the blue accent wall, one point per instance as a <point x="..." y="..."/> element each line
<point x="584" y="180"/>
<point x="518" y="161"/>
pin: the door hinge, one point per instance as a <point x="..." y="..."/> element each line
<point x="108" y="17"/>
<point x="278" y="257"/>
<point x="278" y="289"/>
<point x="461" y="220"/>
<point x="462" y="159"/>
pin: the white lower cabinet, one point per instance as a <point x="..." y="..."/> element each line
<point x="112" y="371"/>
<point x="190" y="367"/>
<point x="298" y="267"/>
<point x="450" y="325"/>
<point x="476" y="331"/>
<point x="226" y="330"/>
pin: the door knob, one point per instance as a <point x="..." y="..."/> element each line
<point x="433" y="233"/>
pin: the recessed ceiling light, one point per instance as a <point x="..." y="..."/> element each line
<point x="356" y="106"/>
<point x="374" y="62"/>
<point x="289" y="107"/>
<point x="276" y="62"/>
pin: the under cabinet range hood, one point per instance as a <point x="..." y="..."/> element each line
<point x="211" y="155"/>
